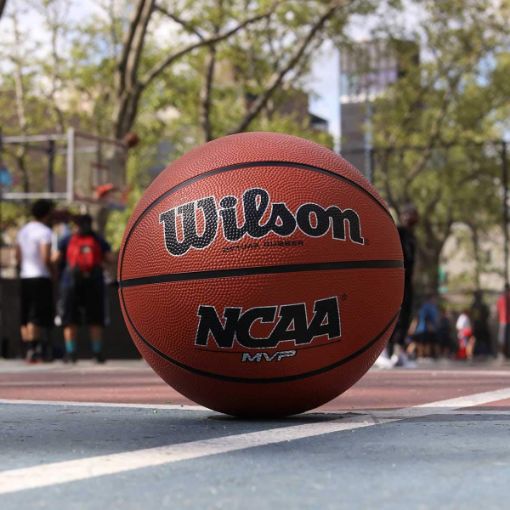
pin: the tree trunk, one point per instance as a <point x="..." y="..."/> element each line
<point x="475" y="238"/>
<point x="127" y="110"/>
<point x="127" y="73"/>
<point x="429" y="251"/>
<point x="427" y="277"/>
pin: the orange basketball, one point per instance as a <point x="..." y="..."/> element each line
<point x="260" y="275"/>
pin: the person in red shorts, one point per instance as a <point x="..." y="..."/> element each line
<point x="465" y="338"/>
<point x="82" y="285"/>
<point x="504" y="321"/>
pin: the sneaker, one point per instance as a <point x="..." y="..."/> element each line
<point x="404" y="362"/>
<point x="99" y="357"/>
<point x="70" y="357"/>
<point x="383" y="361"/>
<point x="32" y="357"/>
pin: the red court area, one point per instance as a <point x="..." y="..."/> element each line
<point x="135" y="383"/>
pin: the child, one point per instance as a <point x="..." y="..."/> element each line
<point x="465" y="338"/>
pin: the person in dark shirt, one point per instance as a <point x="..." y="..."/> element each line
<point x="446" y="342"/>
<point x="82" y="255"/>
<point x="408" y="221"/>
<point x="480" y="315"/>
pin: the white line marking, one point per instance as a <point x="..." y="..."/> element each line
<point x="481" y="412"/>
<point x="69" y="471"/>
<point x="439" y="371"/>
<point x="451" y="404"/>
<point x="81" y="469"/>
<point x="64" y="403"/>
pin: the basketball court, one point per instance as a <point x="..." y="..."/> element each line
<point x="116" y="436"/>
<point x="353" y="193"/>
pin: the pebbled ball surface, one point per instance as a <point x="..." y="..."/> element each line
<point x="162" y="293"/>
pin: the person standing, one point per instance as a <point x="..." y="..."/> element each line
<point x="425" y="333"/>
<point x="503" y="306"/>
<point x="480" y="314"/>
<point x="465" y="338"/>
<point x="33" y="257"/>
<point x="445" y="341"/>
<point x="82" y="255"/>
<point x="408" y="220"/>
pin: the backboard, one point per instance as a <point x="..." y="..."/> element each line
<point x="73" y="167"/>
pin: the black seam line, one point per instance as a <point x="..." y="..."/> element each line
<point x="239" y="166"/>
<point x="249" y="271"/>
<point x="271" y="380"/>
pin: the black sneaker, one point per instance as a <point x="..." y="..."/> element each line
<point x="70" y="357"/>
<point x="100" y="358"/>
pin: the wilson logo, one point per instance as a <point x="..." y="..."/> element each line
<point x="289" y="323"/>
<point x="181" y="231"/>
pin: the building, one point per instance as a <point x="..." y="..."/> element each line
<point x="294" y="103"/>
<point x="367" y="70"/>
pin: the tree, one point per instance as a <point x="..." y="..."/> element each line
<point x="113" y="62"/>
<point x="202" y="30"/>
<point x="436" y="124"/>
<point x="183" y="70"/>
<point x="29" y="87"/>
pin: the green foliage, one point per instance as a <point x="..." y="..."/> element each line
<point x="293" y="126"/>
<point x="205" y="93"/>
<point x="440" y="120"/>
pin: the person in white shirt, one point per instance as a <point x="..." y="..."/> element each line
<point x="33" y="256"/>
<point x="465" y="337"/>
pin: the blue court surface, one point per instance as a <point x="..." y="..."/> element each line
<point x="451" y="452"/>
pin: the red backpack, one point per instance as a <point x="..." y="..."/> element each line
<point x="84" y="253"/>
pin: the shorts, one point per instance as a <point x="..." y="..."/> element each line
<point x="37" y="302"/>
<point x="83" y="301"/>
<point x="425" y="338"/>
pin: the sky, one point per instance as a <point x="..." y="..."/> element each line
<point x="325" y="78"/>
<point x="325" y="84"/>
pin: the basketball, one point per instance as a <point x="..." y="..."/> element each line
<point x="260" y="275"/>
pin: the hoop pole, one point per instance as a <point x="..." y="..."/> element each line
<point x="368" y="139"/>
<point x="1" y="246"/>
<point x="51" y="166"/>
<point x="70" y="165"/>
<point x="504" y="178"/>
<point x="1" y="273"/>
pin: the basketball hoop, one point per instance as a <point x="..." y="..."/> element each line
<point x="103" y="189"/>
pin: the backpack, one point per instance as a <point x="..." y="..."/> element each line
<point x="84" y="254"/>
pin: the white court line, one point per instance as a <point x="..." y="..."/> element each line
<point x="64" y="403"/>
<point x="81" y="469"/>
<point x="481" y="412"/>
<point x="69" y="471"/>
<point x="438" y="371"/>
<point x="376" y="413"/>
<point x="445" y="406"/>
